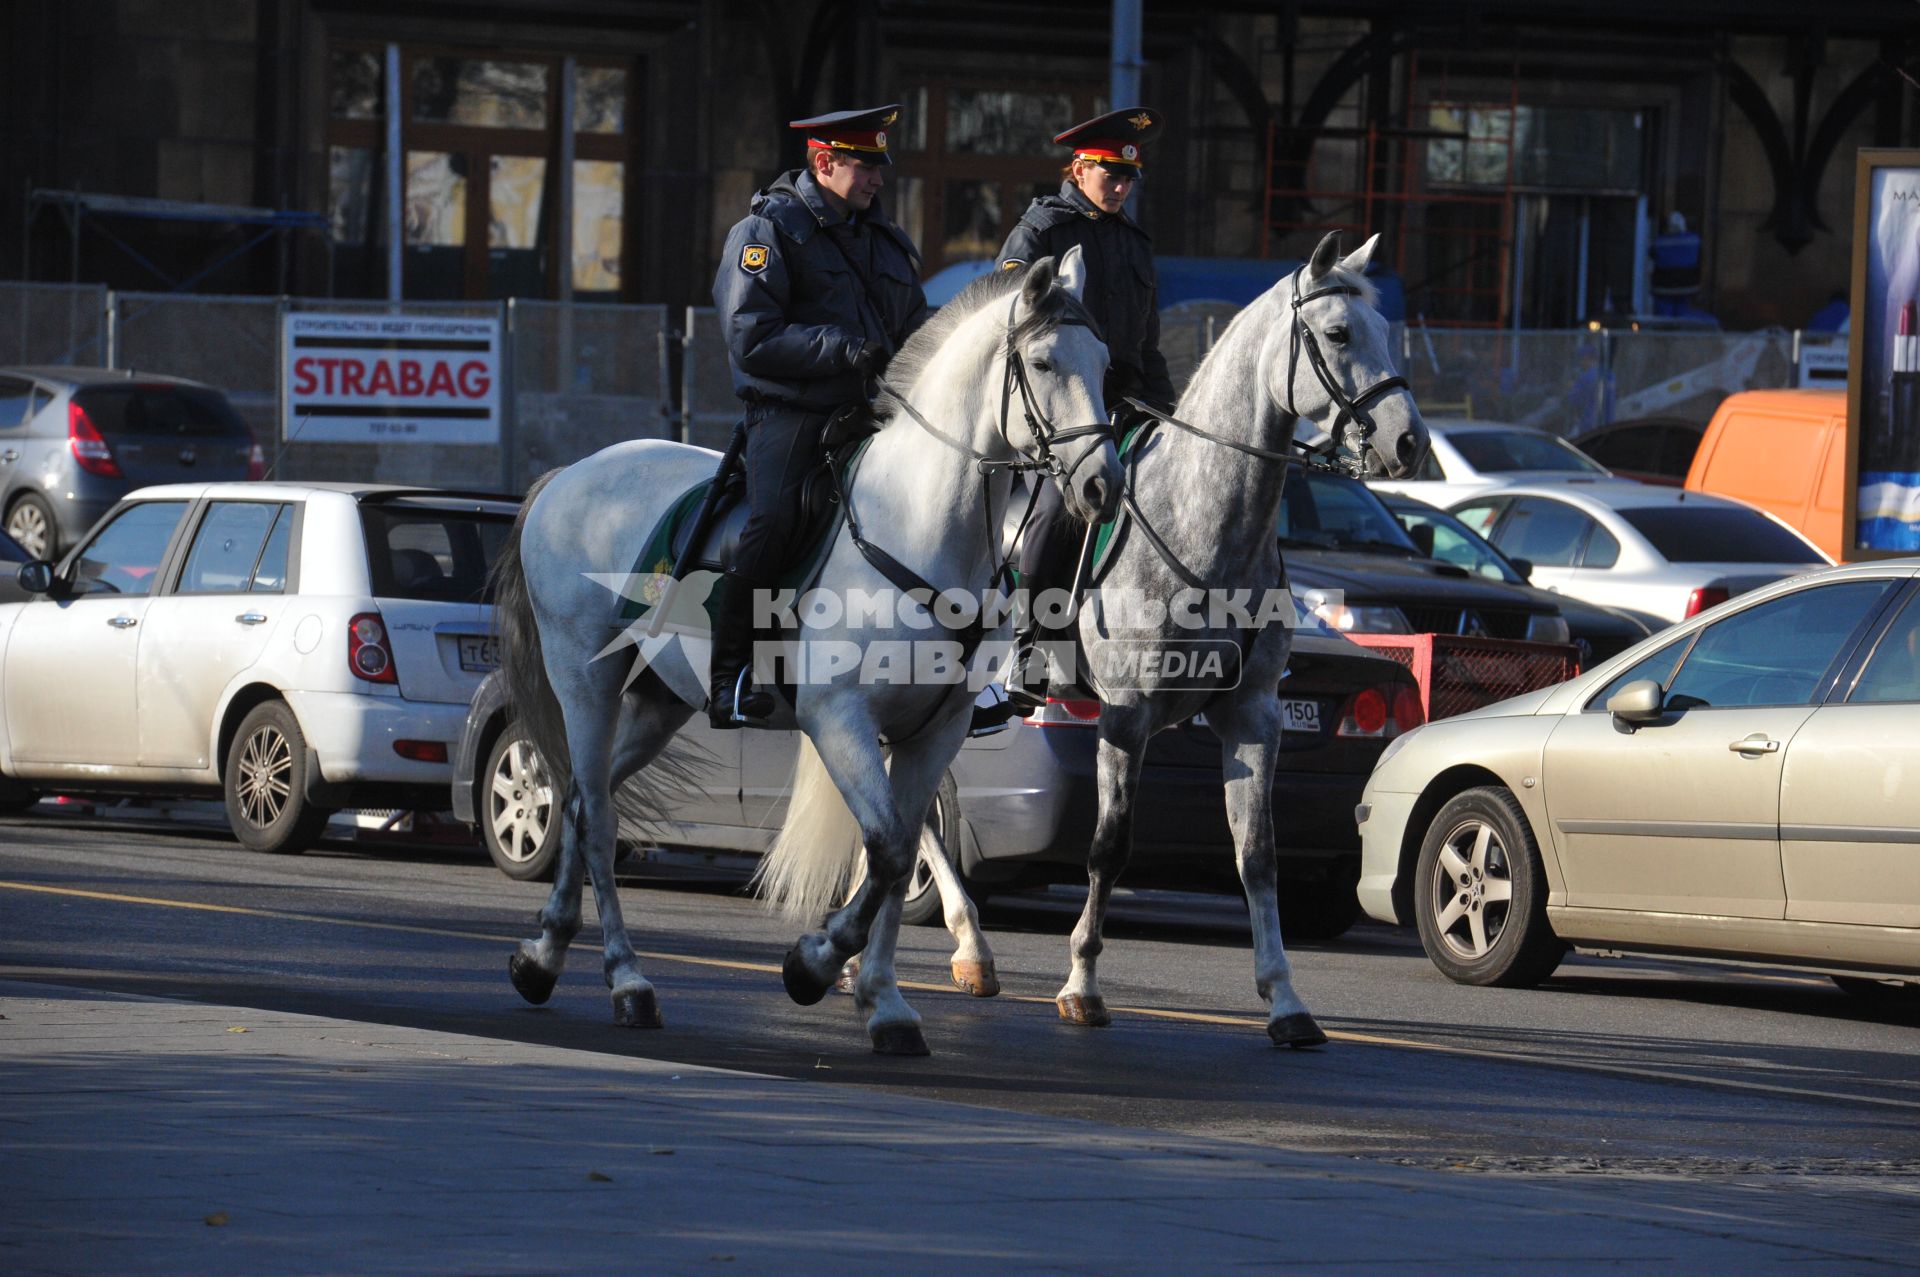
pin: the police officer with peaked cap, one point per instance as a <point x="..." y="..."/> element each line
<point x="816" y="290"/>
<point x="1123" y="295"/>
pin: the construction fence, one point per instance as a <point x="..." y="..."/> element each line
<point x="578" y="376"/>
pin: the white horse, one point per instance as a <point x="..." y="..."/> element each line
<point x="975" y="394"/>
<point x="1200" y="517"/>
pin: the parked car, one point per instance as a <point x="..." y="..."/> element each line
<point x="1470" y="457"/>
<point x="1738" y="787"/>
<point x="295" y="647"/>
<point x="13" y="557"/>
<point x="1017" y="808"/>
<point x="1651" y="450"/>
<point x="1597" y="631"/>
<point x="1784" y="451"/>
<point x="1662" y="551"/>
<point x="75" y="440"/>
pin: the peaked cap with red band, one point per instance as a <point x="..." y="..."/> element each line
<point x="1118" y="137"/>
<point x="859" y="134"/>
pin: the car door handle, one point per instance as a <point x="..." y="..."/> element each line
<point x="122" y="622"/>
<point x="9" y="455"/>
<point x="1755" y="745"/>
<point x="251" y="618"/>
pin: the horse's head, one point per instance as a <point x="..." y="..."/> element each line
<point x="1056" y="364"/>
<point x="1335" y="365"/>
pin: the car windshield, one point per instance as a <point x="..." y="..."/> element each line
<point x="1454" y="542"/>
<point x="439" y="555"/>
<point x="1717" y="534"/>
<point x="1502" y="451"/>
<point x="161" y="410"/>
<point x="1337" y="513"/>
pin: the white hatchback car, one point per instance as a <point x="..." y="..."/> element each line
<point x="296" y="647"/>
<point x="1664" y="551"/>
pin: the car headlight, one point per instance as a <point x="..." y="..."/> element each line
<point x="1349" y="619"/>
<point x="1549" y="629"/>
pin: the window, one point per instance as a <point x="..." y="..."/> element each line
<point x="125" y="557"/>
<point x="444" y="555"/>
<point x="16" y="402"/>
<point x="227" y="548"/>
<point x="1603" y="550"/>
<point x="1454" y="543"/>
<point x="1718" y="534"/>
<point x="1777" y="653"/>
<point x="1546" y="533"/>
<point x="1893" y="671"/>
<point x="1504" y="451"/>
<point x="1658" y="667"/>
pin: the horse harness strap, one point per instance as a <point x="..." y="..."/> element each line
<point x="1352" y="408"/>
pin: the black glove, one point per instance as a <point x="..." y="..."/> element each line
<point x="869" y="358"/>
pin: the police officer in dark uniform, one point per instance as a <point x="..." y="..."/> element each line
<point x="816" y="290"/>
<point x="1122" y="293"/>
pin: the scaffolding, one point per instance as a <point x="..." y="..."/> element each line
<point x="80" y="209"/>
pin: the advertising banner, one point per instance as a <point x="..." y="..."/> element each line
<point x="1883" y="400"/>
<point x="390" y="379"/>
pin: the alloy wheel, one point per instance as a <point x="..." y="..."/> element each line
<point x="266" y="775"/>
<point x="1472" y="890"/>
<point x="29" y="527"/>
<point x="522" y="799"/>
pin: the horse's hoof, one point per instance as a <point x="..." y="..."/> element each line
<point x="899" y="1039"/>
<point x="1077" y="1008"/>
<point x="803" y="986"/>
<point x="534" y="982"/>
<point x="976" y="978"/>
<point x="848" y="975"/>
<point x="1297" y="1031"/>
<point x="637" y="1009"/>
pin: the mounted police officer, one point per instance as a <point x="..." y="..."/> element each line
<point x="816" y="290"/>
<point x="1122" y="293"/>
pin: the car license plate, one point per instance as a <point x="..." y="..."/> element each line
<point x="480" y="653"/>
<point x="1300" y="716"/>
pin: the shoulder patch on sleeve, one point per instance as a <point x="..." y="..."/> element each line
<point x="1012" y="263"/>
<point x="753" y="258"/>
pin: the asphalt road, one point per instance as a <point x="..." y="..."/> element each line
<point x="1627" y="1067"/>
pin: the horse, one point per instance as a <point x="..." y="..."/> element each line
<point x="929" y="490"/>
<point x="1200" y="517"/>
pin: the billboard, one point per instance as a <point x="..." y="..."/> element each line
<point x="369" y="378"/>
<point x="1883" y="397"/>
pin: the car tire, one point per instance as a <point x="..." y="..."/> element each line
<point x="266" y="783"/>
<point x="519" y="817"/>
<point x="15" y="797"/>
<point x="1480" y="894"/>
<point x="1321" y="910"/>
<point x="939" y="837"/>
<point x="1889" y="993"/>
<point x="30" y="522"/>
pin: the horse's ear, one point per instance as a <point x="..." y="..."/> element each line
<point x="1039" y="280"/>
<point x="1325" y="256"/>
<point x="1073" y="273"/>
<point x="1357" y="260"/>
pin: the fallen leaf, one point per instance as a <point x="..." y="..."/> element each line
<point x="236" y="1028"/>
<point x="598" y="1178"/>
<point x="217" y="1220"/>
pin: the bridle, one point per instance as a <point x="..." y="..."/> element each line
<point x="1351" y="409"/>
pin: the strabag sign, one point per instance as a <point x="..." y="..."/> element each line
<point x="389" y="379"/>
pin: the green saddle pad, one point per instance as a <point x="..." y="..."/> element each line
<point x="1103" y="536"/>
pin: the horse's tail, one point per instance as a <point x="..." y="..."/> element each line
<point x="529" y="694"/>
<point x="810" y="865"/>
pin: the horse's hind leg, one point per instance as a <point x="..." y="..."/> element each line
<point x="1249" y="730"/>
<point x="1123" y="746"/>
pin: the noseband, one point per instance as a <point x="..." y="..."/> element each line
<point x="1354" y="409"/>
<point x="1045" y="433"/>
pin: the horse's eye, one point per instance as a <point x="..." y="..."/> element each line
<point x="1338" y="334"/>
<point x="1041" y="365"/>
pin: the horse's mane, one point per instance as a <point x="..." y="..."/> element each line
<point x="1271" y="313"/>
<point x="912" y="359"/>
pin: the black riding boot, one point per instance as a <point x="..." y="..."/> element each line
<point x="1023" y="685"/>
<point x="732" y="699"/>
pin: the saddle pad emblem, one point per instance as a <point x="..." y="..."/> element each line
<point x="753" y="258"/>
<point x="655" y="587"/>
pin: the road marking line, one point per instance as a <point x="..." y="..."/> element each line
<point x="1155" y="1013"/>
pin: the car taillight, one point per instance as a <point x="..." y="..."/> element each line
<point x="422" y="751"/>
<point x="367" y="652"/>
<point x="1408" y="713"/>
<point x="1705" y="597"/>
<point x="1381" y="712"/>
<point x="88" y="448"/>
<point x="1059" y="713"/>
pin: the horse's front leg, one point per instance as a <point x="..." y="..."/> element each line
<point x="1123" y="747"/>
<point x="1249" y="728"/>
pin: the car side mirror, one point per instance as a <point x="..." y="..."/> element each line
<point x="36" y="577"/>
<point x="1422" y="535"/>
<point x="1524" y="567"/>
<point x="1636" y="704"/>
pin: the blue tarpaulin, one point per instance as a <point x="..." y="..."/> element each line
<point x="1235" y="280"/>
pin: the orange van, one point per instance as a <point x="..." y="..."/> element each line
<point x="1784" y="451"/>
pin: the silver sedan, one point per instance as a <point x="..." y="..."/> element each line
<point x="1745" y="785"/>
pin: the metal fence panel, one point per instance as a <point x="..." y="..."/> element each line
<point x="1686" y="375"/>
<point x="707" y="402"/>
<point x="53" y="323"/>
<point x="584" y="376"/>
<point x="1555" y="381"/>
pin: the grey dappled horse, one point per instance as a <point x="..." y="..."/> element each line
<point x="1006" y="375"/>
<point x="1311" y="348"/>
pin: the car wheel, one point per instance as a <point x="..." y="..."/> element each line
<point x="266" y="783"/>
<point x="1480" y="894"/>
<point x="1317" y="910"/>
<point x="1882" y="992"/>
<point x="939" y="837"/>
<point x="30" y="522"/>
<point x="15" y="797"/>
<point x="520" y="821"/>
